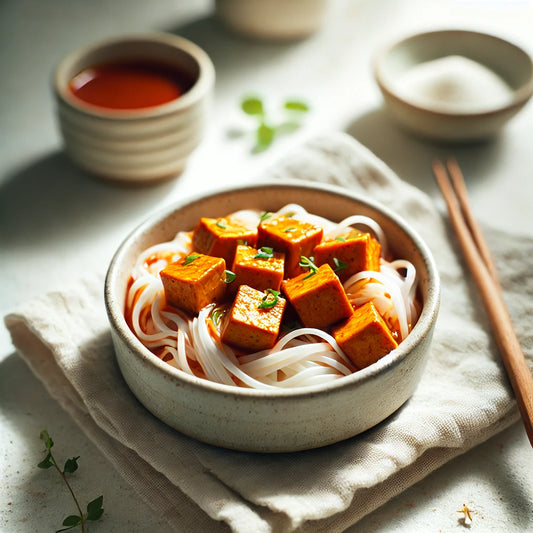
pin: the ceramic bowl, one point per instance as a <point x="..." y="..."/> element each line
<point x="512" y="65"/>
<point x="260" y="420"/>
<point x="135" y="145"/>
<point x="273" y="19"/>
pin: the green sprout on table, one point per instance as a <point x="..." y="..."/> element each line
<point x="94" y="508"/>
<point x="268" y="130"/>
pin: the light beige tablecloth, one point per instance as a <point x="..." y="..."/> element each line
<point x="463" y="398"/>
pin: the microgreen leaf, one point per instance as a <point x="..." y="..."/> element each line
<point x="71" y="465"/>
<point x="296" y="105"/>
<point x="264" y="252"/>
<point x="339" y="265"/>
<point x="47" y="462"/>
<point x="264" y="136"/>
<point x="269" y="300"/>
<point x="72" y="520"/>
<point x="230" y="276"/>
<point x="190" y="258"/>
<point x="252" y="106"/>
<point x="48" y="442"/>
<point x="95" y="509"/>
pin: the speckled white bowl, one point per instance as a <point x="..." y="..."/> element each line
<point x="505" y="59"/>
<point x="137" y="145"/>
<point x="264" y="421"/>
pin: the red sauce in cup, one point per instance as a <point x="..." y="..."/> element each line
<point x="129" y="85"/>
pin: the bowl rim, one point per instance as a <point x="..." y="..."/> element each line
<point x="520" y="95"/>
<point x="200" y="87"/>
<point x="421" y="329"/>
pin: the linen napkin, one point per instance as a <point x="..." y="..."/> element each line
<point x="463" y="397"/>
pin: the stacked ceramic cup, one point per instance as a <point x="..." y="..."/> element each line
<point x="138" y="144"/>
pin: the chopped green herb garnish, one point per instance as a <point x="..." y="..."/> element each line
<point x="221" y="224"/>
<point x="296" y="105"/>
<point x="308" y="262"/>
<point x="339" y="265"/>
<point x="264" y="253"/>
<point x="216" y="315"/>
<point x="340" y="239"/>
<point x="288" y="230"/>
<point x="230" y="276"/>
<point x="190" y="258"/>
<point x="269" y="300"/>
<point x="264" y="216"/>
<point x="252" y="106"/>
<point x="290" y="214"/>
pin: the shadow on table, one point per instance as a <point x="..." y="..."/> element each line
<point x="411" y="156"/>
<point x="52" y="200"/>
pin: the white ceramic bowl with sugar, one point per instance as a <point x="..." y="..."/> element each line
<point x="498" y="73"/>
<point x="261" y="420"/>
<point x="135" y="145"/>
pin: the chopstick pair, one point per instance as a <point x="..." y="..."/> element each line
<point x="481" y="265"/>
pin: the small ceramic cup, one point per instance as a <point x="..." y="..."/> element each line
<point x="135" y="145"/>
<point x="277" y="20"/>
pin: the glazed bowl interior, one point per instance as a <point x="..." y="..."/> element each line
<point x="262" y="420"/>
<point x="167" y="49"/>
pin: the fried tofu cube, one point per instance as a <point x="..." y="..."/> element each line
<point x="292" y="237"/>
<point x="349" y="253"/>
<point x="220" y="236"/>
<point x="319" y="298"/>
<point x="261" y="269"/>
<point x="194" y="282"/>
<point x="254" y="320"/>
<point x="365" y="337"/>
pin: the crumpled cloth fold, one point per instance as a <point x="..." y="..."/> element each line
<point x="464" y="396"/>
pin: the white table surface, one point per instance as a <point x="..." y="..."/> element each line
<point x="57" y="223"/>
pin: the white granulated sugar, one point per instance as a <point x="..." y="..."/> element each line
<point x="454" y="84"/>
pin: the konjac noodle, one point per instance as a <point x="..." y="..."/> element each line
<point x="273" y="300"/>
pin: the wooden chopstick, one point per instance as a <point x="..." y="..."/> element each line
<point x="481" y="265"/>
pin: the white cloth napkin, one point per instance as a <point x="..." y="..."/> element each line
<point x="463" y="398"/>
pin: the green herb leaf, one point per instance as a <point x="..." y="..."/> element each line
<point x="230" y="276"/>
<point x="252" y="106"/>
<point x="190" y="258"/>
<point x="95" y="509"/>
<point x="264" y="136"/>
<point x="221" y="224"/>
<point x="72" y="521"/>
<point x="264" y="253"/>
<point x="296" y="105"/>
<point x="308" y="262"/>
<point x="264" y="216"/>
<point x="339" y="265"/>
<point x="269" y="300"/>
<point x="47" y="462"/>
<point x="216" y="315"/>
<point x="71" y="465"/>
<point x="340" y="239"/>
<point x="288" y="230"/>
<point x="45" y="437"/>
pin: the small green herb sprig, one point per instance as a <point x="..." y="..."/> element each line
<point x="267" y="130"/>
<point x="94" y="507"/>
<point x="309" y="263"/>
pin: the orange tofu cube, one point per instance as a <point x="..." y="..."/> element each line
<point x="250" y="325"/>
<point x="261" y="269"/>
<point x="319" y="299"/>
<point x="220" y="236"/>
<point x="364" y="337"/>
<point x="292" y="237"/>
<point x="194" y="282"/>
<point x="349" y="253"/>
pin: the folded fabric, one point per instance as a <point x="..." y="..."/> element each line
<point x="463" y="397"/>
